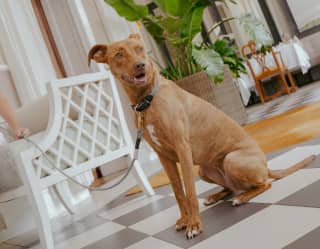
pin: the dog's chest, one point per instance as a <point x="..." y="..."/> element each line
<point x="156" y="134"/>
<point x="153" y="136"/>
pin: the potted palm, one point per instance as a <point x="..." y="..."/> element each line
<point x="196" y="65"/>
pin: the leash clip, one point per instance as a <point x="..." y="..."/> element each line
<point x="140" y="116"/>
<point x="140" y="120"/>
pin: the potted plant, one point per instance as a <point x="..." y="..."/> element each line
<point x="195" y="63"/>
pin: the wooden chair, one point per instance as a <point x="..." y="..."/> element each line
<point x="250" y="53"/>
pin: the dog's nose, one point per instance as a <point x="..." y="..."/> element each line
<point x="140" y="65"/>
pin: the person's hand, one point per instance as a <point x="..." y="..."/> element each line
<point x="21" y="132"/>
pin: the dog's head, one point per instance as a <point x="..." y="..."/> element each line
<point x="127" y="60"/>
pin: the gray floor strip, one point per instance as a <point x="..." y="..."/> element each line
<point x="78" y="227"/>
<point x="119" y="240"/>
<point x="309" y="241"/>
<point x="214" y="220"/>
<point x="306" y="197"/>
<point x="146" y="211"/>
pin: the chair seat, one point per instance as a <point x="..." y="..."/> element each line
<point x="271" y="73"/>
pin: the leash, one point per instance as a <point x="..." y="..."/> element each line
<point x="77" y="182"/>
<point x="139" y="109"/>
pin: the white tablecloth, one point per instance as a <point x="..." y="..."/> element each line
<point x="294" y="57"/>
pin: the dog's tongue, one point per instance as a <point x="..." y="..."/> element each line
<point x="140" y="78"/>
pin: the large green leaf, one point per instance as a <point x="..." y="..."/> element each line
<point x="191" y="24"/>
<point x="128" y="9"/>
<point x="154" y="29"/>
<point x="172" y="25"/>
<point x="210" y="61"/>
<point x="173" y="7"/>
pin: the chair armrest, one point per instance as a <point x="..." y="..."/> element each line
<point x="34" y="115"/>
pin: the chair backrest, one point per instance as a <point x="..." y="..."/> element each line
<point x="99" y="134"/>
<point x="257" y="61"/>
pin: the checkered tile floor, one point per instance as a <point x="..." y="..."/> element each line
<point x="286" y="216"/>
<point x="305" y="95"/>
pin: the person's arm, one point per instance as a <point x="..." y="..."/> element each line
<point x="8" y="114"/>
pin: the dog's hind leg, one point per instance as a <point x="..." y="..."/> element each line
<point x="214" y="198"/>
<point x="246" y="173"/>
<point x="248" y="195"/>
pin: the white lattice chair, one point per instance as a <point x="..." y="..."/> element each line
<point x="86" y="129"/>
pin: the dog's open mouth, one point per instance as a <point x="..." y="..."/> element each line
<point x="140" y="78"/>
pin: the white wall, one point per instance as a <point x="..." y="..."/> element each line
<point x="304" y="12"/>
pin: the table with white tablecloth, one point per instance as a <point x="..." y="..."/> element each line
<point x="294" y="57"/>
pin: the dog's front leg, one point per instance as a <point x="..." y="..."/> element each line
<point x="184" y="152"/>
<point x="175" y="180"/>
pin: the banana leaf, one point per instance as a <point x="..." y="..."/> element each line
<point x="211" y="62"/>
<point x="128" y="9"/>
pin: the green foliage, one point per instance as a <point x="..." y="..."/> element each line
<point x="128" y="9"/>
<point x="172" y="7"/>
<point x="210" y="61"/>
<point x="229" y="56"/>
<point x="178" y="25"/>
<point x="257" y="30"/>
<point x="191" y="24"/>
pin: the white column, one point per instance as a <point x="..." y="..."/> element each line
<point x="24" y="49"/>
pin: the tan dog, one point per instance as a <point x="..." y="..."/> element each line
<point x="183" y="128"/>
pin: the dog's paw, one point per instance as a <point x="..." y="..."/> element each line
<point x="209" y="201"/>
<point x="181" y="224"/>
<point x="236" y="202"/>
<point x="193" y="230"/>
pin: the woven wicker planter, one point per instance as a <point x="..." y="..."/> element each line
<point x="224" y="96"/>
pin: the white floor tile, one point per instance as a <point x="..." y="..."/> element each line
<point x="202" y="186"/>
<point x="161" y="221"/>
<point x="128" y="207"/>
<point x="288" y="185"/>
<point x="293" y="156"/>
<point x="152" y="243"/>
<point x="271" y="228"/>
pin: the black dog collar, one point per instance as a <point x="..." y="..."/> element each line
<point x="146" y="101"/>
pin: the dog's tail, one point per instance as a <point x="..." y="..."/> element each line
<point x="278" y="174"/>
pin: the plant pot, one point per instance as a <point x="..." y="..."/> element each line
<point x="224" y="96"/>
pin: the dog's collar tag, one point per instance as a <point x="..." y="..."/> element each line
<point x="146" y="101"/>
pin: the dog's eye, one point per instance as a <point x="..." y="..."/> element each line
<point x="119" y="55"/>
<point x="139" y="49"/>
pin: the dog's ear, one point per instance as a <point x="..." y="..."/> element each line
<point x="135" y="36"/>
<point x="98" y="53"/>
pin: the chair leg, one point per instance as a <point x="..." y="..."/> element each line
<point x="43" y="220"/>
<point x="141" y="178"/>
<point x="292" y="82"/>
<point x="260" y="92"/>
<point x="284" y="83"/>
<point x="39" y="207"/>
